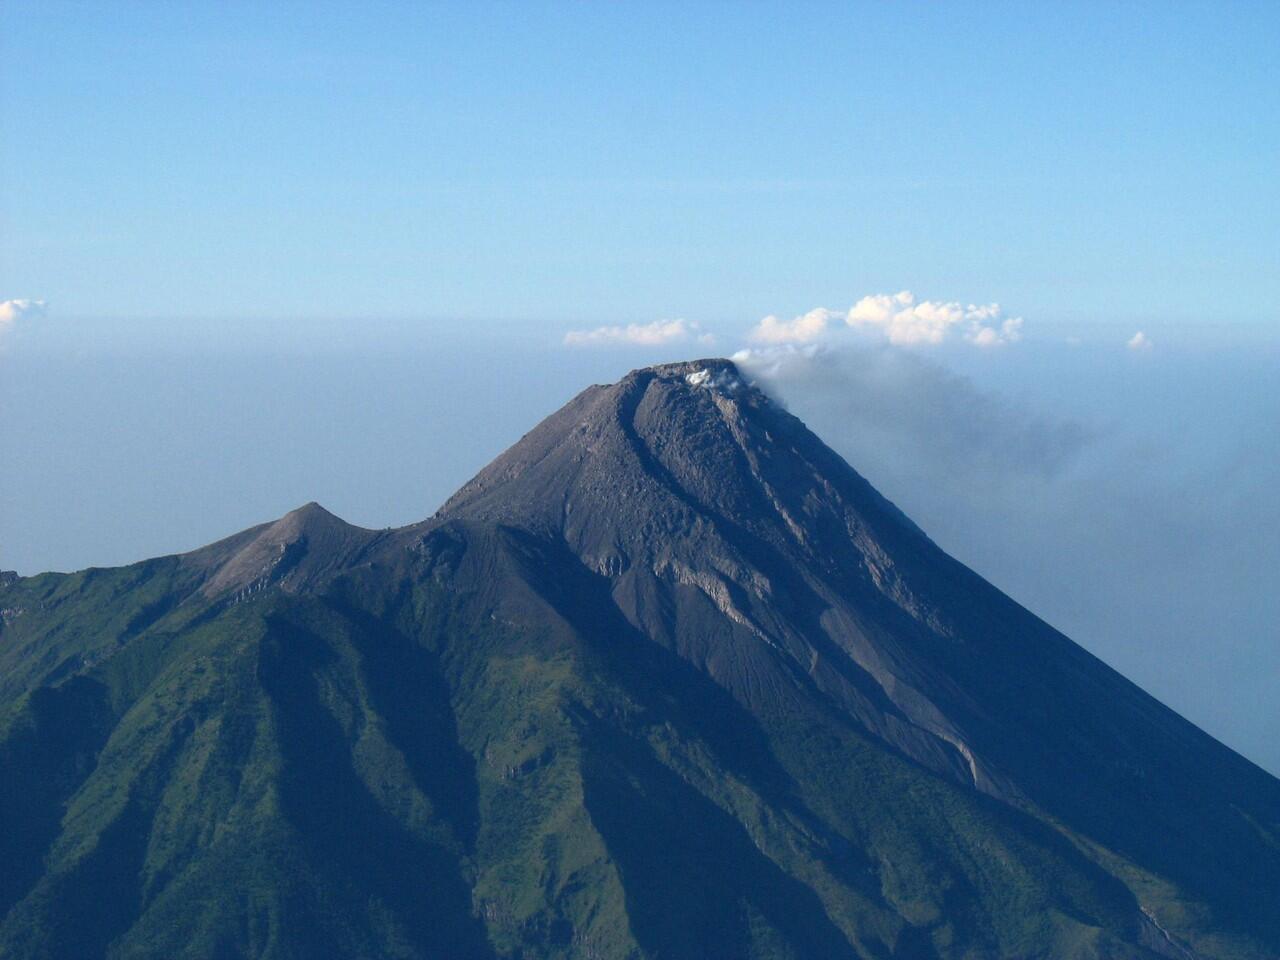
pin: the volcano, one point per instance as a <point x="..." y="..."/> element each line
<point x="667" y="679"/>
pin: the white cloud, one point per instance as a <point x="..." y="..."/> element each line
<point x="901" y="319"/>
<point x="905" y="321"/>
<point x="1009" y="331"/>
<point x="1139" y="341"/>
<point x="639" y="334"/>
<point x="803" y="329"/>
<point x="11" y="311"/>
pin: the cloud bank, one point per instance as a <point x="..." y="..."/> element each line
<point x="900" y="319"/>
<point x="638" y="334"/>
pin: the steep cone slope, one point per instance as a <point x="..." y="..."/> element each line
<point x="667" y="679"/>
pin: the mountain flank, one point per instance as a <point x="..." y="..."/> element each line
<point x="667" y="679"/>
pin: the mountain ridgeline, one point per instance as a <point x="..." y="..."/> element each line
<point x="668" y="679"/>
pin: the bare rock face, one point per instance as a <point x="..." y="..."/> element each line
<point x="710" y="508"/>
<point x="296" y="551"/>
<point x="668" y="678"/>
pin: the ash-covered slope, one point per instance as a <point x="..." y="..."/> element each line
<point x="709" y="508"/>
<point x="666" y="679"/>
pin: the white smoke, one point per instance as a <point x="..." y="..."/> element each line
<point x="904" y="404"/>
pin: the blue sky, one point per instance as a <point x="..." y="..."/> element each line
<point x="1108" y="163"/>
<point x="257" y="254"/>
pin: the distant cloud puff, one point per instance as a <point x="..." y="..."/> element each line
<point x="906" y="321"/>
<point x="1139" y="341"/>
<point x="639" y="334"/>
<point x="901" y="319"/>
<point x="11" y="311"/>
<point x="803" y="329"/>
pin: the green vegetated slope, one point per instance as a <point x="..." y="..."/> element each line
<point x="399" y="768"/>
<point x="476" y="739"/>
